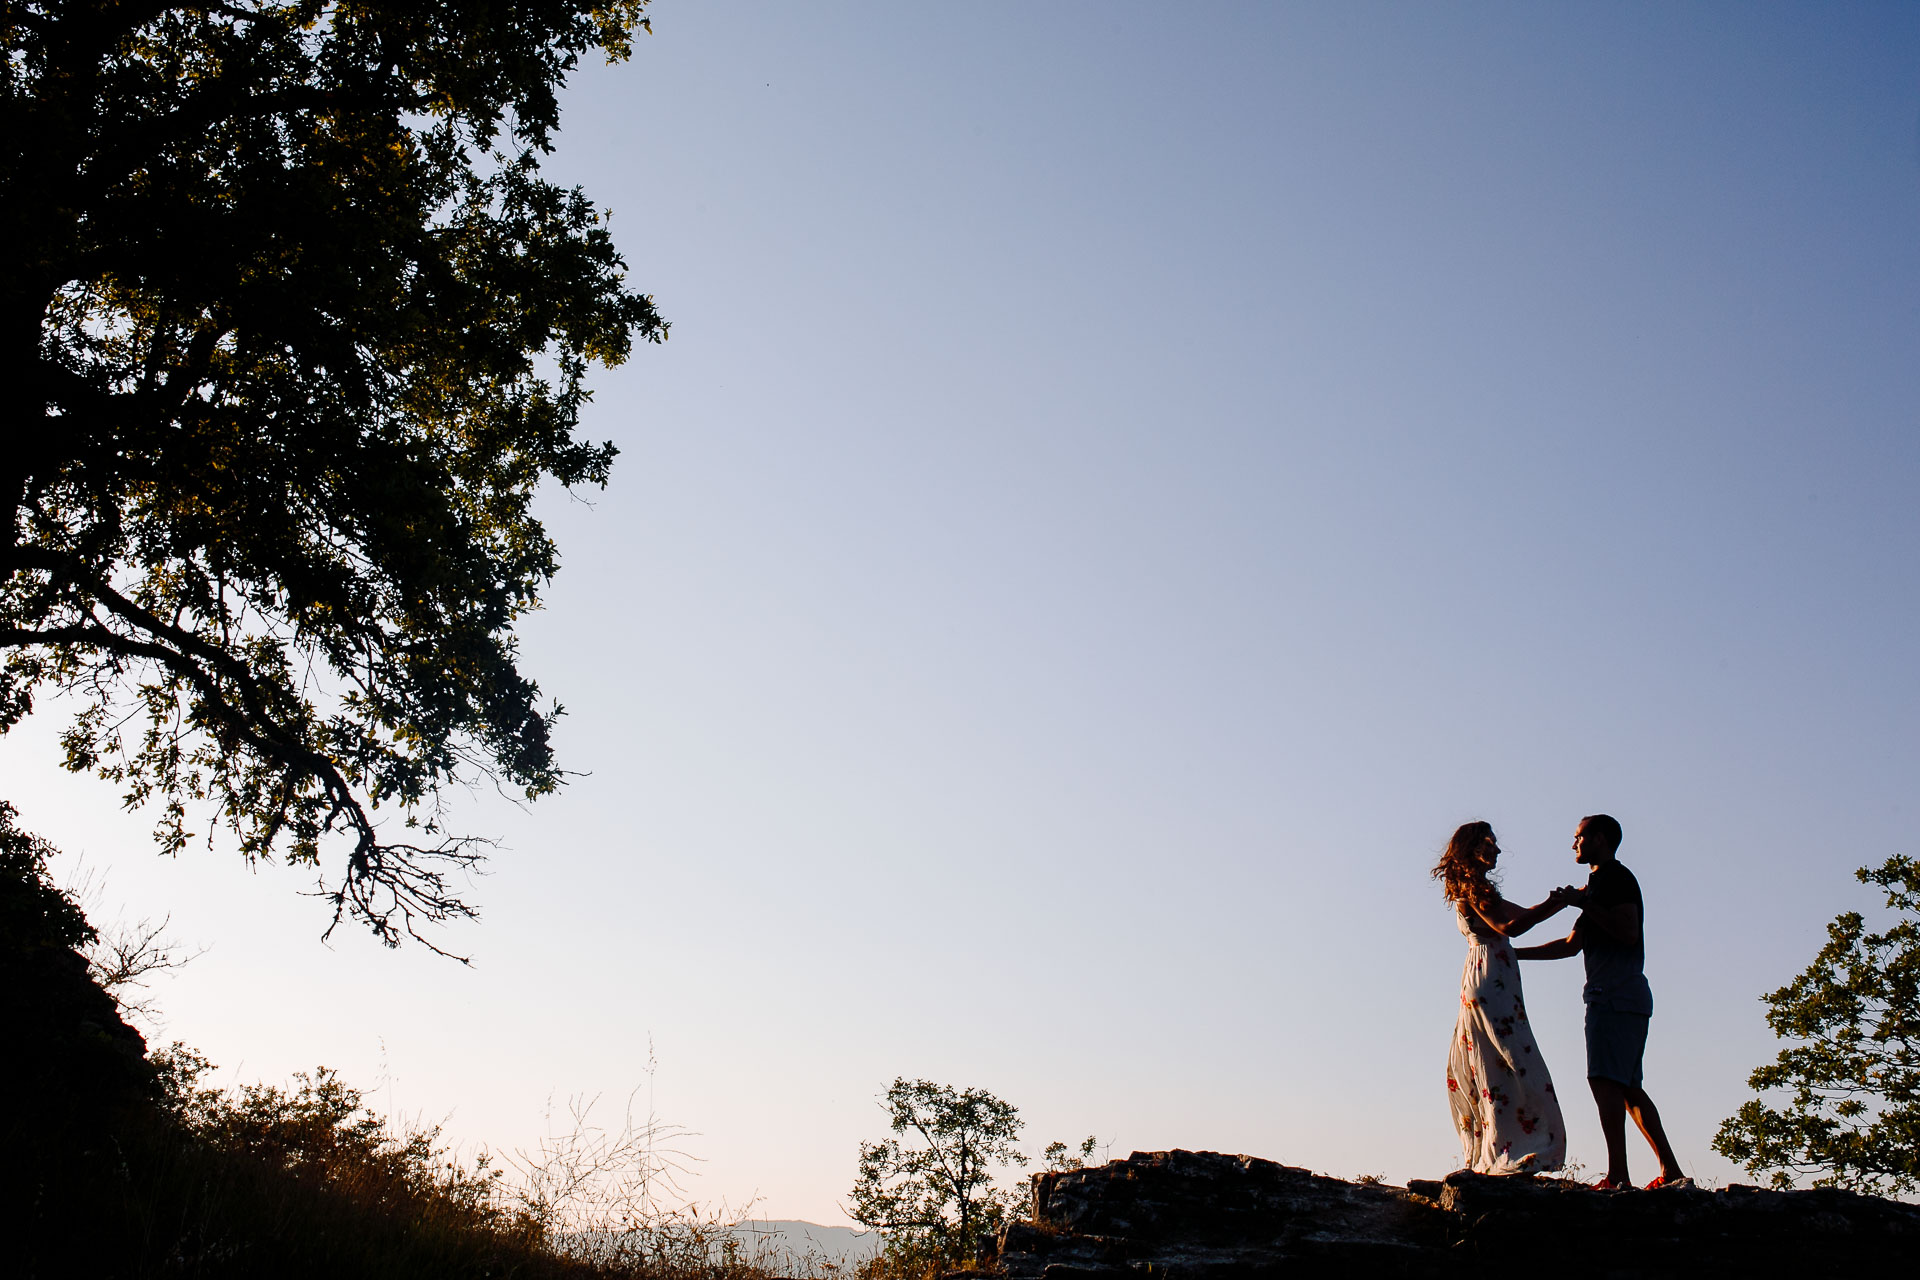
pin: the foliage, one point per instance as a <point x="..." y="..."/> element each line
<point x="71" y="1062"/>
<point x="1852" y="1115"/>
<point x="587" y="1202"/>
<point x="308" y="1181"/>
<point x="930" y="1189"/>
<point x="293" y="330"/>
<point x="33" y="910"/>
<point x="1059" y="1158"/>
<point x="322" y="1133"/>
<point x="120" y="1164"/>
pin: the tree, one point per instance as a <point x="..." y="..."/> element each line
<point x="34" y="913"/>
<point x="292" y="330"/>
<point x="933" y="1195"/>
<point x="72" y="1063"/>
<point x="1853" y="1111"/>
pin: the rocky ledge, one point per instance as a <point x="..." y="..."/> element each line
<point x="1182" y="1214"/>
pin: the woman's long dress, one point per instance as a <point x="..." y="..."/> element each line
<point x="1497" y="1082"/>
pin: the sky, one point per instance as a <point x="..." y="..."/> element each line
<point x="1122" y="486"/>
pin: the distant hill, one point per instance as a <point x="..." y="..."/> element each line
<point x="839" y="1244"/>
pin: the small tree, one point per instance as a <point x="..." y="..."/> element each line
<point x="930" y="1188"/>
<point x="1059" y="1158"/>
<point x="1854" y="1112"/>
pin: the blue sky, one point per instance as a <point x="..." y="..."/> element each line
<point x="1123" y="486"/>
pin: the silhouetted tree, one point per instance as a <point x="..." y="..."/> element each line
<point x="1852" y="1114"/>
<point x="291" y="330"/>
<point x="930" y="1189"/>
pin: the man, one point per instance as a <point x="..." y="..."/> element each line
<point x="1619" y="1003"/>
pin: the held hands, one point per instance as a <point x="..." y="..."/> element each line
<point x="1568" y="895"/>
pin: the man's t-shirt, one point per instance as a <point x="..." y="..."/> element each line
<point x="1616" y="971"/>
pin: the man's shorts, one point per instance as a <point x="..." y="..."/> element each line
<point x="1615" y="1044"/>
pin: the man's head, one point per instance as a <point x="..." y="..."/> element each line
<point x="1596" y="839"/>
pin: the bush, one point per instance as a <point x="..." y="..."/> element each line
<point x="123" y="1167"/>
<point x="1851" y="1114"/>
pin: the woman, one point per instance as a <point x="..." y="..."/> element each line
<point x="1497" y="1082"/>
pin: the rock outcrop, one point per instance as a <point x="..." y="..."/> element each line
<point x="1202" y="1214"/>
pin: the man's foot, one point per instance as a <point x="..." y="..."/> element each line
<point x="1664" y="1181"/>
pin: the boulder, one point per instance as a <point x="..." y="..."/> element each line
<point x="1202" y="1214"/>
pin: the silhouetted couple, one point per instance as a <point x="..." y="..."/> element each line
<point x="1497" y="1083"/>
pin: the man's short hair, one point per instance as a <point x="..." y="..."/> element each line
<point x="1602" y="830"/>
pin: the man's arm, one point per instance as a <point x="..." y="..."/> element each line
<point x="1558" y="950"/>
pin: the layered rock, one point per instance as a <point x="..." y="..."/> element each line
<point x="1202" y="1214"/>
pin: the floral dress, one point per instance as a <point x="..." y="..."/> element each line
<point x="1497" y="1083"/>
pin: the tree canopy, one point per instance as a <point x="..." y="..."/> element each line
<point x="293" y="330"/>
<point x="931" y="1188"/>
<point x="1851" y="1114"/>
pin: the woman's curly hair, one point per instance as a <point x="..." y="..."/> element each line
<point x="1462" y="869"/>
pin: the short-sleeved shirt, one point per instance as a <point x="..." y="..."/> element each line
<point x="1616" y="971"/>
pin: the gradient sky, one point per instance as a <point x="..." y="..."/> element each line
<point x="1123" y="485"/>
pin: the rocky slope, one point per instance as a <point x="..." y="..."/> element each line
<point x="1202" y="1214"/>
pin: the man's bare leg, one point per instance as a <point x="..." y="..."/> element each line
<point x="1647" y="1116"/>
<point x="1611" y="1097"/>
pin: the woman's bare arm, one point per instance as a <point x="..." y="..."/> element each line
<point x="1510" y="920"/>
